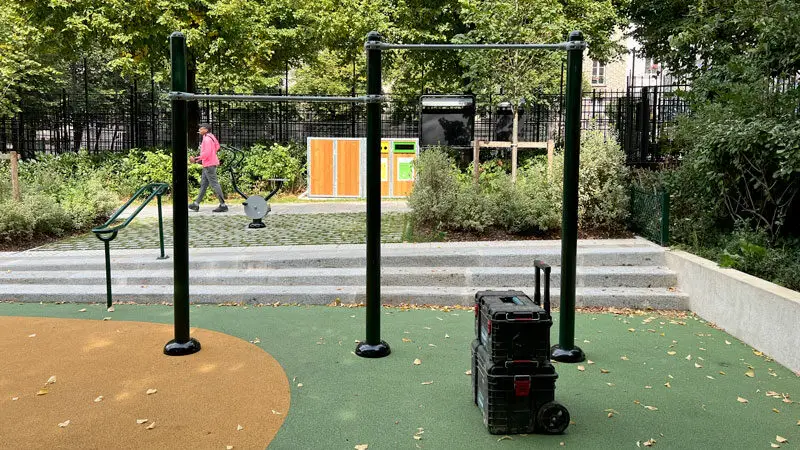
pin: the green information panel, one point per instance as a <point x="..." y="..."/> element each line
<point x="405" y="169"/>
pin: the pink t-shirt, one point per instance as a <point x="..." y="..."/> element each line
<point x="208" y="151"/>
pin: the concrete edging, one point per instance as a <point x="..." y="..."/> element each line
<point x="760" y="313"/>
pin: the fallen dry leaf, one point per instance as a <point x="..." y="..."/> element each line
<point x="51" y="380"/>
<point x="671" y="353"/>
<point x="228" y="447"/>
<point x="141" y="421"/>
<point x="299" y="385"/>
<point x="624" y="358"/>
<point x="781" y="439"/>
<point x="110" y="309"/>
<point x="256" y="341"/>
<point x="774" y="445"/>
<point x="13" y="399"/>
<point x="667" y="384"/>
<point x="469" y="372"/>
<point x="64" y="424"/>
<point x="698" y="366"/>
<point x="427" y="382"/>
<point x="407" y="340"/>
<point x="649" y="443"/>
<point x="504" y="438"/>
<point x="151" y="426"/>
<point x="750" y="373"/>
<point x="32" y="335"/>
<point x="151" y="391"/>
<point x="631" y="329"/>
<point x="82" y="310"/>
<point x="727" y="342"/>
<point x="417" y="362"/>
<point x="42" y="392"/>
<point x="98" y="399"/>
<point x="741" y="400"/>
<point x="275" y="412"/>
<point x="360" y="447"/>
<point x="775" y="410"/>
<point x="447" y="336"/>
<point x="650" y="408"/>
<point x="239" y="428"/>
<point x="106" y="318"/>
<point x="604" y="371"/>
<point x="590" y="362"/>
<point x="688" y="357"/>
<point x="581" y="368"/>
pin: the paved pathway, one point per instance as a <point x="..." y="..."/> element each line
<point x="309" y="223"/>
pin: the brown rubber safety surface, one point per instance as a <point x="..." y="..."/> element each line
<point x="231" y="393"/>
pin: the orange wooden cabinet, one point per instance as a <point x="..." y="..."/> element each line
<point x="337" y="167"/>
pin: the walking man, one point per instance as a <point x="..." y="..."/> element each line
<point x="208" y="158"/>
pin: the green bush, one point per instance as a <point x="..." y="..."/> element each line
<point x="449" y="199"/>
<point x="277" y="161"/>
<point x="140" y="167"/>
<point x="34" y="215"/>
<point x="436" y="189"/>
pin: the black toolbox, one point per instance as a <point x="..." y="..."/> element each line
<point x="513" y="381"/>
<point x="512" y="326"/>
<point x="517" y="397"/>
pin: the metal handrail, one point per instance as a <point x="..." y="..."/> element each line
<point x="107" y="233"/>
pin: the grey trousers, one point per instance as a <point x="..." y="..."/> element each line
<point x="209" y="177"/>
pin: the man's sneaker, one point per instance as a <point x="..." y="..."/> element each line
<point x="194" y="206"/>
<point x="220" y="208"/>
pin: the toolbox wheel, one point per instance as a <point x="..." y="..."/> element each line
<point x="553" y="418"/>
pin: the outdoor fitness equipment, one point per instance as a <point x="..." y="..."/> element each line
<point x="255" y="206"/>
<point x="373" y="346"/>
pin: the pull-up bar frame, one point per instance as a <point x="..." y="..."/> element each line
<point x="373" y="346"/>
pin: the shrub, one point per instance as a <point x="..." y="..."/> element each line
<point x="436" y="189"/>
<point x="140" y="167"/>
<point x="602" y="195"/>
<point x="262" y="163"/>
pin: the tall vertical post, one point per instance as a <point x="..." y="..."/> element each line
<point x="566" y="351"/>
<point x="373" y="347"/>
<point x="183" y="344"/>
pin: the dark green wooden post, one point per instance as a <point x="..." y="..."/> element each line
<point x="183" y="344"/>
<point x="373" y="347"/>
<point x="664" y="218"/>
<point x="566" y="351"/>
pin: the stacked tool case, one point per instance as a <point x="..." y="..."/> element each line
<point x="513" y="381"/>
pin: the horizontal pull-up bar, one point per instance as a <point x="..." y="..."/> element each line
<point x="561" y="46"/>
<point x="188" y="96"/>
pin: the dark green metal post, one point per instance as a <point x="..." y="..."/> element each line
<point x="183" y="344"/>
<point x="108" y="273"/>
<point x="160" y="229"/>
<point x="374" y="347"/>
<point x="566" y="351"/>
<point x="664" y="218"/>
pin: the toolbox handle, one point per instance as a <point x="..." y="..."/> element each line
<point x="518" y="363"/>
<point x="519" y="316"/>
<point x="537" y="296"/>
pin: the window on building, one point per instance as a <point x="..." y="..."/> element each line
<point x="650" y="67"/>
<point x="598" y="73"/>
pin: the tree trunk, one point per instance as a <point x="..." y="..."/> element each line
<point x="514" y="143"/>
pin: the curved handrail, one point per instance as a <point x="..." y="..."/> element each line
<point x="107" y="233"/>
<point x="236" y="161"/>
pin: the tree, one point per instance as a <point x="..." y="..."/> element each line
<point x="22" y="66"/>
<point x="524" y="76"/>
<point x="743" y="60"/>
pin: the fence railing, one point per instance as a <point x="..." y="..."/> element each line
<point x="650" y="215"/>
<point x="58" y="123"/>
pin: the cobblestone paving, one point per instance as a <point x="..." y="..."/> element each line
<point x="232" y="231"/>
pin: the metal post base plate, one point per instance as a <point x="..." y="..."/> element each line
<point x="163" y="257"/>
<point x="175" y="348"/>
<point x="572" y="355"/>
<point x="257" y="223"/>
<point x="380" y="350"/>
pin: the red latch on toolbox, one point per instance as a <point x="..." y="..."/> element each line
<point x="477" y="308"/>
<point x="489" y="326"/>
<point x="522" y="385"/>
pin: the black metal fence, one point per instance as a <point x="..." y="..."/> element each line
<point x="638" y="117"/>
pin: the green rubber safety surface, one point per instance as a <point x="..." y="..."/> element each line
<point x="340" y="400"/>
<point x="232" y="231"/>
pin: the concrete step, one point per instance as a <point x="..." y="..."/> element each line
<point x="656" y="298"/>
<point x="347" y="256"/>
<point x="593" y="276"/>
